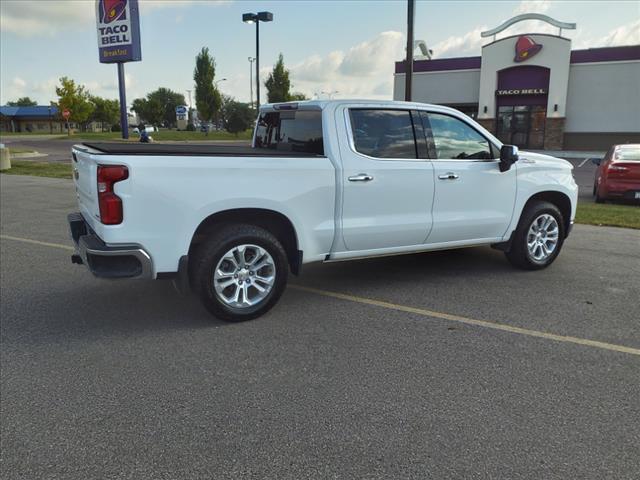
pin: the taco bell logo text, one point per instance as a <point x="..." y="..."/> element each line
<point x="118" y="30"/>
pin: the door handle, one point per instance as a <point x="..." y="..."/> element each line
<point x="448" y="176"/>
<point x="361" y="177"/>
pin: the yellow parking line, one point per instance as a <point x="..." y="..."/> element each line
<point x="417" y="311"/>
<point x="470" y="321"/>
<point x="36" y="242"/>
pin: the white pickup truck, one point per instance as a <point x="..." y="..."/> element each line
<point x="324" y="181"/>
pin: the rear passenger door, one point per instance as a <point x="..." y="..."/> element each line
<point x="473" y="200"/>
<point x="387" y="178"/>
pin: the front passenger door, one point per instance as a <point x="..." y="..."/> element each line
<point x="473" y="200"/>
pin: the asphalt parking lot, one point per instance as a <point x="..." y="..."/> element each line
<point x="439" y="365"/>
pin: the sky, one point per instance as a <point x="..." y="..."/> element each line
<point x="348" y="47"/>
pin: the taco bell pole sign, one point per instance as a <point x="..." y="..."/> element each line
<point x="118" y="27"/>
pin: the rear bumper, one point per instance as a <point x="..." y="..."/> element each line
<point x="619" y="189"/>
<point x="107" y="261"/>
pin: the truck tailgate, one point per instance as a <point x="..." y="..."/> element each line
<point x="84" y="177"/>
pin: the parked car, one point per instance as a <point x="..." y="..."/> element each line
<point x="618" y="174"/>
<point x="324" y="181"/>
<point x="206" y="127"/>
<point x="147" y="128"/>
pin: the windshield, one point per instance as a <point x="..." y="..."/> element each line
<point x="630" y="153"/>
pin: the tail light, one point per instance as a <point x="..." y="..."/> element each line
<point x="110" y="204"/>
<point x="617" y="168"/>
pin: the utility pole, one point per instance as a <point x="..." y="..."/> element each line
<point x="408" y="63"/>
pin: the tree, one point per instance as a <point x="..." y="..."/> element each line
<point x="23" y="102"/>
<point x="297" y="96"/>
<point x="159" y="106"/>
<point x="148" y="110"/>
<point x="278" y="83"/>
<point x="74" y="98"/>
<point x="239" y="117"/>
<point x="208" y="99"/>
<point x="105" y="111"/>
<point x="169" y="101"/>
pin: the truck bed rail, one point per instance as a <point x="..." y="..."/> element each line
<point x="191" y="149"/>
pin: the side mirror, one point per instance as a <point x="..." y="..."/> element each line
<point x="508" y="156"/>
<point x="596" y="161"/>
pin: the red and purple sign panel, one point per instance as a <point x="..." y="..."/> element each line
<point x="118" y="25"/>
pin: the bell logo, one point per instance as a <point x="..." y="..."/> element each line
<point x="111" y="10"/>
<point x="526" y="48"/>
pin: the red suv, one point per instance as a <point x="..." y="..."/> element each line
<point x="618" y="174"/>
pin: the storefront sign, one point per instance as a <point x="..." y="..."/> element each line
<point x="522" y="91"/>
<point x="118" y="27"/>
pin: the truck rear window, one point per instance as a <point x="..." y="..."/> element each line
<point x="291" y="131"/>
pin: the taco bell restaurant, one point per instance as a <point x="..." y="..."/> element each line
<point x="535" y="92"/>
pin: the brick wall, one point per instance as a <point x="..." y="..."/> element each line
<point x="554" y="134"/>
<point x="488" y="123"/>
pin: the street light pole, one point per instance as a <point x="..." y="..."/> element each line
<point x="190" y="114"/>
<point x="257" y="18"/>
<point x="251" y="60"/>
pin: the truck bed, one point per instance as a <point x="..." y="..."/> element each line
<point x="190" y="149"/>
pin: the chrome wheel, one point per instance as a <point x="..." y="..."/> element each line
<point x="542" y="237"/>
<point x="244" y="276"/>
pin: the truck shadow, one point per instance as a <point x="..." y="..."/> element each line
<point x="473" y="263"/>
<point x="78" y="307"/>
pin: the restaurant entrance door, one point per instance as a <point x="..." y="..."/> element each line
<point x="522" y="125"/>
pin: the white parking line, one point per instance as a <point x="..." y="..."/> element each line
<point x="471" y="321"/>
<point x="583" y="162"/>
<point x="36" y="242"/>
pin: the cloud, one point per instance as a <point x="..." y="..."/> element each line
<point x="372" y="55"/>
<point x="17" y="82"/>
<point x="35" y="17"/>
<point x="43" y="17"/>
<point x="456" y="46"/>
<point x="532" y="6"/>
<point x="628" y="34"/>
<point x="364" y="70"/>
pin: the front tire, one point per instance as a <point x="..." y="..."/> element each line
<point x="239" y="272"/>
<point x="539" y="237"/>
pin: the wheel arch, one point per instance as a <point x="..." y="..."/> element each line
<point x="275" y="222"/>
<point x="559" y="199"/>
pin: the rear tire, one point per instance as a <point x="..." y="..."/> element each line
<point x="538" y="238"/>
<point x="239" y="272"/>
<point x="596" y="195"/>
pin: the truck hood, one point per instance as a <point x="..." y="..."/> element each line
<point x="543" y="160"/>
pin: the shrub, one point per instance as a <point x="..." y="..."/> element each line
<point x="116" y="127"/>
<point x="191" y="127"/>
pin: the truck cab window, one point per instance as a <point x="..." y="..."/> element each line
<point x="383" y="133"/>
<point x="454" y="139"/>
<point x="290" y="131"/>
